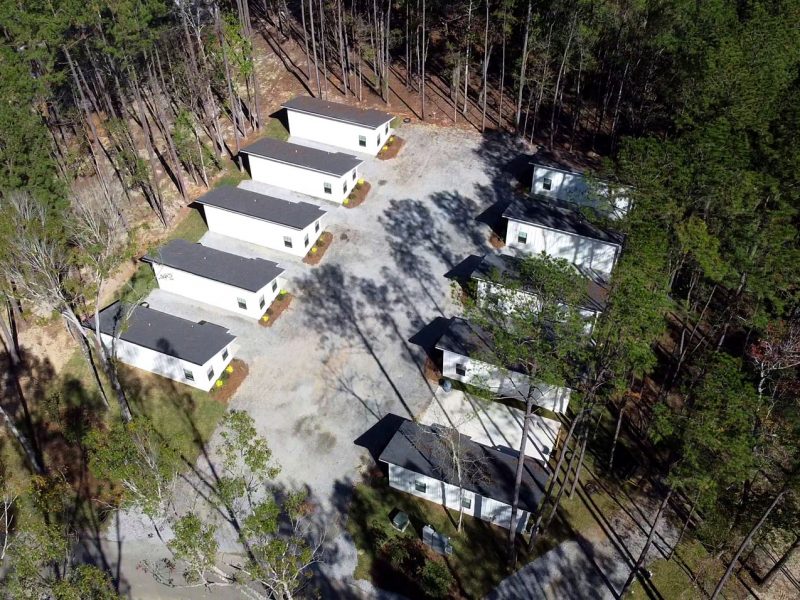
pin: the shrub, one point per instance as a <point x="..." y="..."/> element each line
<point x="396" y="552"/>
<point x="346" y="201"/>
<point x="265" y="318"/>
<point x="314" y="250"/>
<point x="436" y="579"/>
<point x="385" y="147"/>
<point x="229" y="369"/>
<point x="360" y="182"/>
<point x="219" y="383"/>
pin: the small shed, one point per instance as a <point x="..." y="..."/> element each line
<point x="415" y="467"/>
<point x="466" y="355"/>
<point x="335" y="124"/>
<point x="242" y="285"/>
<point x="318" y="173"/>
<point x="192" y="353"/>
<point x="538" y="225"/>
<point x="496" y="268"/>
<point x="559" y="179"/>
<point x="291" y="227"/>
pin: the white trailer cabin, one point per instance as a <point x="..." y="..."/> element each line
<point x="246" y="286"/>
<point x="495" y="269"/>
<point x="466" y="357"/>
<point x="559" y="180"/>
<point x="416" y="467"/>
<point x="291" y="227"/>
<point x="538" y="226"/>
<point x="192" y="353"/>
<point x="326" y="175"/>
<point x="356" y="129"/>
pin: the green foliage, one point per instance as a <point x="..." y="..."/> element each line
<point x="436" y="580"/>
<point x="134" y="457"/>
<point x="195" y="546"/>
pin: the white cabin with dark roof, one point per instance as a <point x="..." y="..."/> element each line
<point x="349" y="127"/>
<point x="246" y="286"/>
<point x="192" y="353"/>
<point x="318" y="173"/>
<point x="291" y="227"/>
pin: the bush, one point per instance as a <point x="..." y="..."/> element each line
<point x="436" y="579"/>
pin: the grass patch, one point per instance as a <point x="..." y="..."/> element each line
<point x="478" y="562"/>
<point x="191" y="228"/>
<point x="231" y="178"/>
<point x="139" y="285"/>
<point x="275" y="129"/>
<point x="397" y="122"/>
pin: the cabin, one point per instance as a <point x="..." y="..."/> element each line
<point x="318" y="173"/>
<point x="291" y="227"/>
<point x="557" y="179"/>
<point x="355" y="129"/>
<point x="466" y="357"/>
<point x="416" y="466"/>
<point x="559" y="230"/>
<point x="246" y="286"/>
<point x="494" y="269"/>
<point x="193" y="353"/>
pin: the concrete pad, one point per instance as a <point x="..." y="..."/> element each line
<point x="328" y="148"/>
<point x="493" y="424"/>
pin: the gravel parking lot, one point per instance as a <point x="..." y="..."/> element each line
<point x="342" y="357"/>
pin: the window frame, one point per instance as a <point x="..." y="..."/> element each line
<point x="188" y="375"/>
<point x="287" y="241"/>
<point x="362" y="141"/>
<point x="262" y="302"/>
<point x="316" y="226"/>
<point x="225" y="354"/>
<point x="305" y="241"/>
<point x="210" y="373"/>
<point x="327" y="187"/>
<point x="522" y="237"/>
<point x="275" y="286"/>
<point x="418" y="483"/>
<point x="547" y="183"/>
<point x="241" y="303"/>
<point x="461" y="369"/>
<point x="466" y="501"/>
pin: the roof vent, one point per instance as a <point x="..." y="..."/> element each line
<point x="144" y="304"/>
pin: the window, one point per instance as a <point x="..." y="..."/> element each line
<point x="327" y="187"/>
<point x="261" y="302"/>
<point x="344" y="187"/>
<point x="354" y="175"/>
<point x="188" y="375"/>
<point x="316" y="226"/>
<point x="466" y="502"/>
<point x="461" y="369"/>
<point x="421" y="486"/>
<point x="547" y="183"/>
<point x="362" y="141"/>
<point x="379" y="139"/>
<point x="275" y="285"/>
<point x="522" y="237"/>
<point x="210" y="373"/>
<point x="387" y="128"/>
<point x="306" y="241"/>
<point x="225" y="354"/>
<point x="287" y="241"/>
<point x="242" y="303"/>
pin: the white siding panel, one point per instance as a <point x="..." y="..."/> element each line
<point x="573" y="187"/>
<point x="502" y="381"/>
<point x="216" y="293"/>
<point x="584" y="252"/>
<point x="512" y="300"/>
<point x="302" y="180"/>
<point x="444" y="494"/>
<point x="169" y="366"/>
<point x="262" y="233"/>
<point x="336" y="133"/>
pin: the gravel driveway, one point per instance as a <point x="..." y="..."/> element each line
<point x="340" y="359"/>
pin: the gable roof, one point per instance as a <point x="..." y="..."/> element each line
<point x="466" y="339"/>
<point x="559" y="216"/>
<point x="249" y="274"/>
<point x="313" y="159"/>
<point x="366" y="117"/>
<point x="297" y="215"/>
<point x="413" y="447"/>
<point x="504" y="265"/>
<point x="186" y="340"/>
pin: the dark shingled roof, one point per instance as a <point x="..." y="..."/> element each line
<point x="559" y="216"/>
<point x="193" y="342"/>
<point x="494" y="266"/>
<point x="565" y="161"/>
<point x="366" y="117"/>
<point x="297" y="215"/>
<point x="466" y="339"/>
<point x="333" y="163"/>
<point x="414" y="446"/>
<point x="249" y="274"/>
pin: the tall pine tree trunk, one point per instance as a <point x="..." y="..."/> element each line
<point x="522" y="68"/>
<point x="778" y="567"/>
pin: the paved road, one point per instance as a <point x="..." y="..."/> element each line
<point x="341" y="358"/>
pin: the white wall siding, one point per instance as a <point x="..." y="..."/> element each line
<point x="573" y="187"/>
<point x="216" y="293"/>
<point x="337" y="133"/>
<point x="169" y="366"/>
<point x="512" y="300"/>
<point x="444" y="494"/>
<point x="502" y="381"/>
<point x="262" y="233"/>
<point x="584" y="252"/>
<point x="302" y="180"/>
